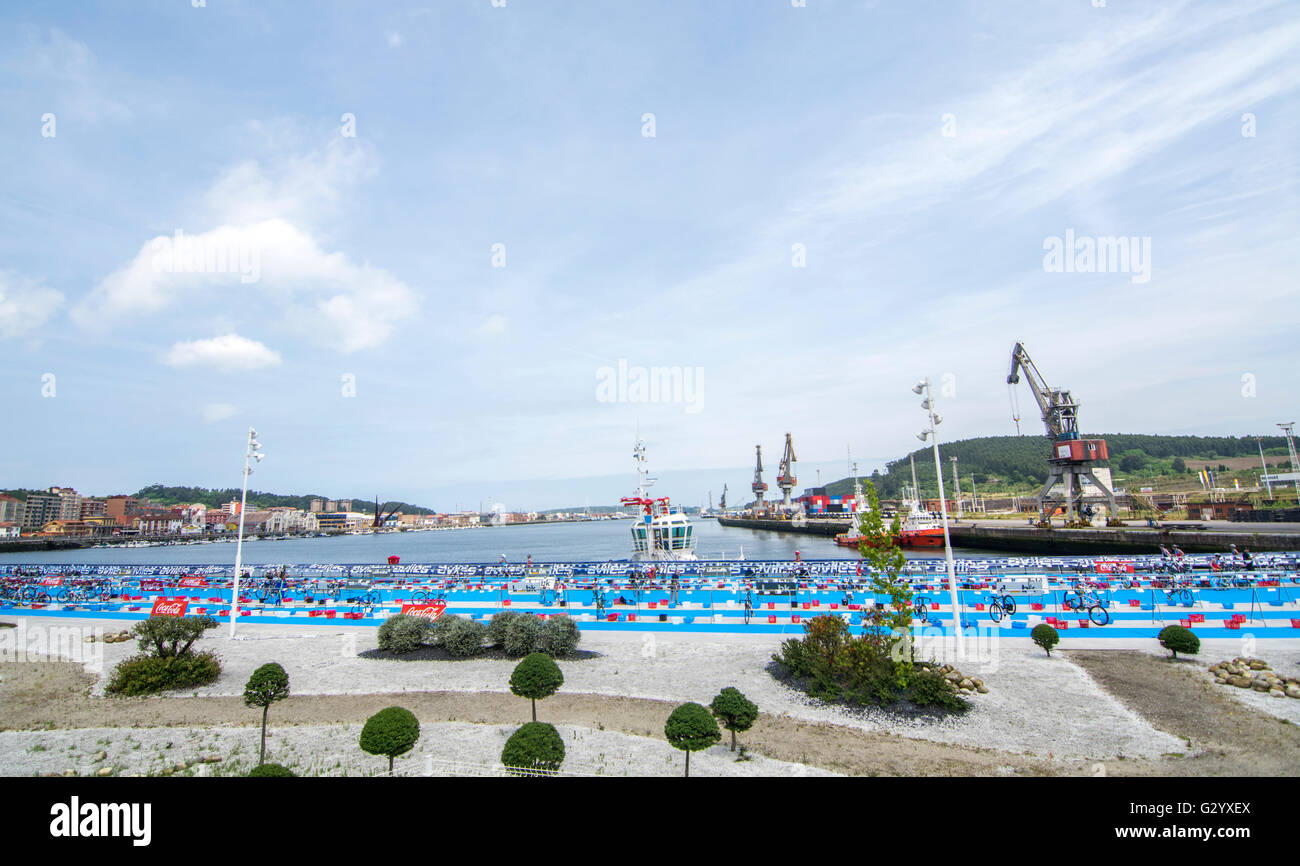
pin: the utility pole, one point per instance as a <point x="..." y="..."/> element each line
<point x="1264" y="466"/>
<point x="956" y="483"/>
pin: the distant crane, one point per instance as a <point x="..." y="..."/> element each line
<point x="722" y="503"/>
<point x="1070" y="457"/>
<point x="785" y="473"/>
<point x="759" y="486"/>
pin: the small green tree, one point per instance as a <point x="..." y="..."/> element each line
<point x="390" y="732"/>
<point x="736" y="712"/>
<point x="268" y="684"/>
<point x="536" y="677"/>
<point x="171" y="636"/>
<point x="536" y="746"/>
<point x="879" y="547"/>
<point x="1045" y="636"/>
<point x="1179" y="465"/>
<point x="1178" y="639"/>
<point x="691" y="728"/>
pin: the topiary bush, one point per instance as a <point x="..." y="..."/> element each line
<point x="558" y="636"/>
<point x="264" y="771"/>
<point x="148" y="674"/>
<point x="268" y="684"/>
<point x="691" y="728"/>
<point x="460" y="636"/>
<point x="405" y="634"/>
<point x="535" y="678"/>
<point x="1045" y="636"/>
<point x="521" y="635"/>
<point x="735" y="711"/>
<point x="390" y="732"/>
<point x="535" y="749"/>
<point x="927" y="688"/>
<point x="1178" y="639"/>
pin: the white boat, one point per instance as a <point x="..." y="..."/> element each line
<point x="660" y="533"/>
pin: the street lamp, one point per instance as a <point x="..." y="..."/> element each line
<point x="252" y="454"/>
<point x="928" y="405"/>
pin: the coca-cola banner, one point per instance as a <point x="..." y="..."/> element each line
<point x="164" y="607"/>
<point x="192" y="580"/>
<point x="429" y="610"/>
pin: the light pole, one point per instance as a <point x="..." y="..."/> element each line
<point x="923" y="387"/>
<point x="956" y="484"/>
<point x="253" y="453"/>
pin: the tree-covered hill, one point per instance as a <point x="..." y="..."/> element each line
<point x="215" y="498"/>
<point x="1020" y="462"/>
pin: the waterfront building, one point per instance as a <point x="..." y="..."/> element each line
<point x="12" y="509"/>
<point x="40" y="509"/>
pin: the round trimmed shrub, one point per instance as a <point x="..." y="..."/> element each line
<point x="460" y="636"/>
<point x="737" y="712"/>
<point x="1045" y="636"/>
<point x="1178" y="639"/>
<point x="535" y="678"/>
<point x="150" y="674"/>
<point x="264" y="771"/>
<point x="496" y="630"/>
<point x="535" y="747"/>
<point x="521" y="635"/>
<point x="404" y="634"/>
<point x="691" y="728"/>
<point x="558" y="636"/>
<point x="390" y="732"/>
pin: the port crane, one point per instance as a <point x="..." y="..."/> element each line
<point x="785" y="473"/>
<point x="1070" y="458"/>
<point x="722" y="503"/>
<point x="759" y="486"/>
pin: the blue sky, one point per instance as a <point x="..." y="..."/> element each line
<point x="917" y="156"/>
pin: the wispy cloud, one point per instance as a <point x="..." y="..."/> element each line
<point x="228" y="353"/>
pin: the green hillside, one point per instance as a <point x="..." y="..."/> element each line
<point x="1018" y="464"/>
<point x="216" y="498"/>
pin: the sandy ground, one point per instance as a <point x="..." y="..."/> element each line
<point x="1063" y="714"/>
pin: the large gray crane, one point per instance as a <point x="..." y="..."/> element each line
<point x="785" y="478"/>
<point x="759" y="486"/>
<point x="1070" y="458"/>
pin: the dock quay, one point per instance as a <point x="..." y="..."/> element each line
<point x="1209" y="536"/>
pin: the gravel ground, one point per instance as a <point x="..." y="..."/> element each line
<point x="332" y="750"/>
<point x="1036" y="706"/>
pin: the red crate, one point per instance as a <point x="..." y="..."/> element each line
<point x="1196" y="617"/>
<point x="613" y="617"/>
<point x="1185" y="623"/>
<point x="816" y="603"/>
<point x="771" y="605"/>
<point x="1231" y="624"/>
<point x="1083" y="623"/>
<point x="771" y="619"/>
<point x="979" y="606"/>
<point x="1295" y="623"/>
<point x="1034" y="605"/>
<point x="934" y="607"/>
<point x="1062" y="625"/>
<point x="506" y="602"/>
<point x="654" y="605"/>
<point x="631" y="617"/>
<point x="1134" y="602"/>
<point x="835" y="605"/>
<point x="794" y="618"/>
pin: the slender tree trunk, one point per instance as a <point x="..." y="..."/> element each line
<point x="262" y="759"/>
<point x="534" y="709"/>
<point x="733" y="739"/>
<point x="390" y="765"/>
<point x="688" y="763"/>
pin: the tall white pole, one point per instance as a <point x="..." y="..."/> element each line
<point x="239" y="542"/>
<point x="947" y="539"/>
<point x="1264" y="466"/>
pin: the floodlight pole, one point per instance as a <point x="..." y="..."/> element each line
<point x="943" y="507"/>
<point x="239" y="542"/>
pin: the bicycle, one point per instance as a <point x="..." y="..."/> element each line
<point x="1175" y="591"/>
<point x="1001" y="605"/>
<point x="921" y="607"/>
<point x="1083" y="599"/>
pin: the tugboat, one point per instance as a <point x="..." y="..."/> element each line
<point x="919" y="529"/>
<point x="660" y="533"/>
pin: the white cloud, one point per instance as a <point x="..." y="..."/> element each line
<point x="214" y="412"/>
<point x="275" y="263"/>
<point x="25" y="305"/>
<point x="395" y="39"/>
<point x="230" y="352"/>
<point x="492" y="325"/>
